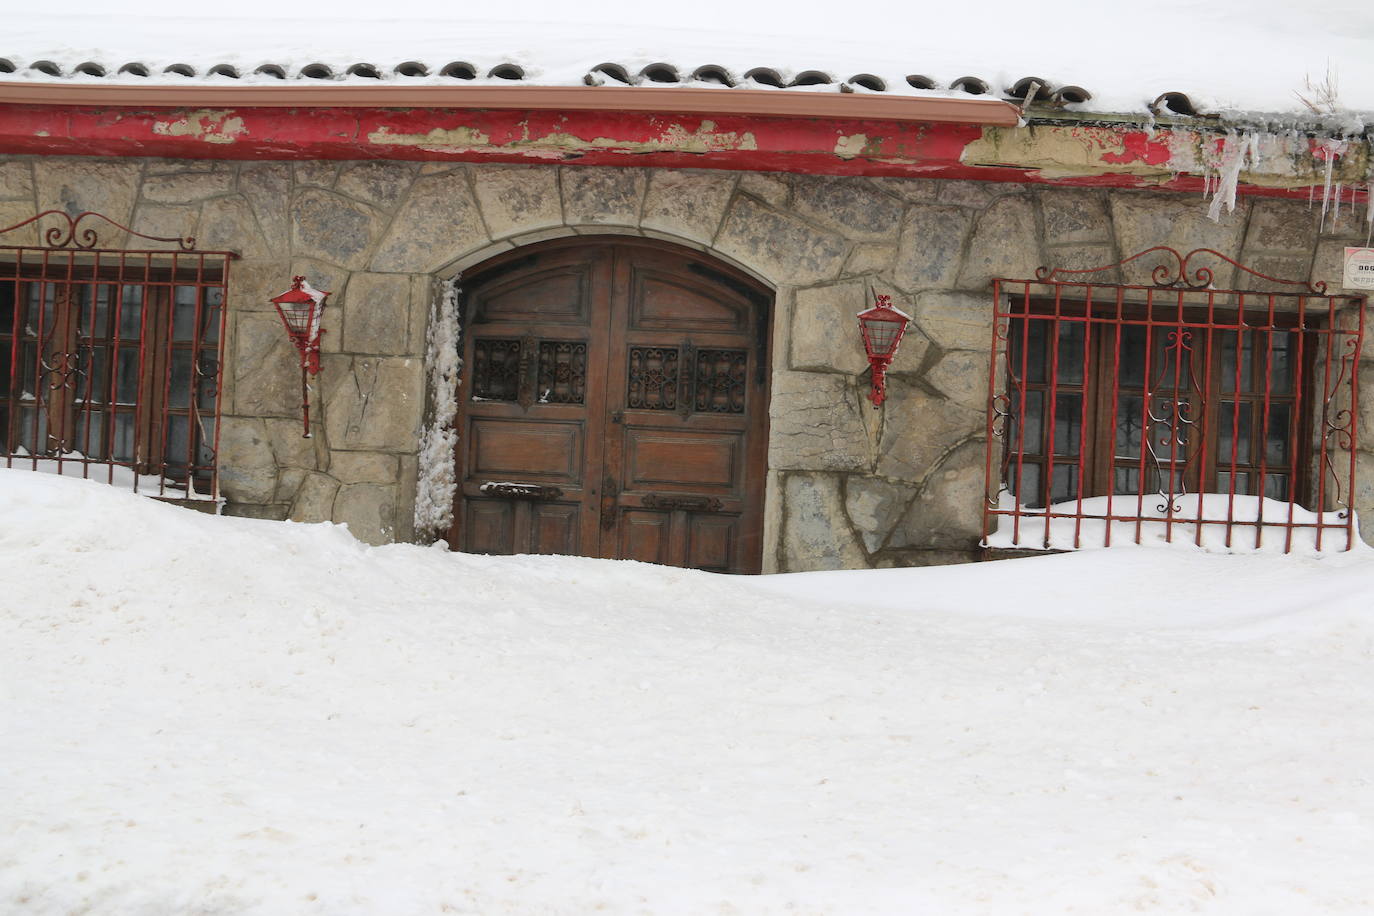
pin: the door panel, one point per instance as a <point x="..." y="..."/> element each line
<point x="543" y="450"/>
<point x="616" y="389"/>
<point x="682" y="460"/>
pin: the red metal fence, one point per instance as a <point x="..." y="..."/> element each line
<point x="1172" y="410"/>
<point x="111" y="359"/>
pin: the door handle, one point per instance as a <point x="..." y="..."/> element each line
<point x="688" y="503"/>
<point x="508" y="490"/>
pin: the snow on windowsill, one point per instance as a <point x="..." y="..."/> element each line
<point x="1258" y="525"/>
<point x="75" y="464"/>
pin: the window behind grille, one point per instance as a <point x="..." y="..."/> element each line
<point x="110" y="365"/>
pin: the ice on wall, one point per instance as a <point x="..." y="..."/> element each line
<point x="437" y="485"/>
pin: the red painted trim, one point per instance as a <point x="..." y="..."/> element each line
<point x="739" y="142"/>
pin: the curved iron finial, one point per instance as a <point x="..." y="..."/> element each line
<point x="1175" y="274"/>
<point x="70" y="233"/>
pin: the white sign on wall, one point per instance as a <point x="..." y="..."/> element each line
<point x="1359" y="268"/>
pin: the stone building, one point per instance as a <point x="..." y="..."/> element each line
<point x="654" y="289"/>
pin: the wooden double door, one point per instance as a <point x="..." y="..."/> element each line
<point x="614" y="404"/>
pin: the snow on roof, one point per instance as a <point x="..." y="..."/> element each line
<point x="1244" y="60"/>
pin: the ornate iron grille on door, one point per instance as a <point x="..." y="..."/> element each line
<point x="1172" y="409"/>
<point x="111" y="359"/>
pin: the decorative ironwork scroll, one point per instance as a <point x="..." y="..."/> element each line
<point x="720" y="380"/>
<point x="70" y="234"/>
<point x="496" y="369"/>
<point x="562" y="372"/>
<point x="653" y="378"/>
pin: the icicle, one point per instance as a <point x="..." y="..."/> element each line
<point x="1336" y="214"/>
<point x="1233" y="158"/>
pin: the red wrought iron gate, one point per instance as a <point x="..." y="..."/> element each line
<point x="111" y="359"/>
<point x="1172" y="409"/>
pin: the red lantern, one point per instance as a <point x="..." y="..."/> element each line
<point x="882" y="328"/>
<point x="300" y="309"/>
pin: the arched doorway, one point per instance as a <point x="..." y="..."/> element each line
<point x="614" y="404"/>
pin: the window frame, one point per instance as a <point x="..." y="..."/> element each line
<point x="1100" y="380"/>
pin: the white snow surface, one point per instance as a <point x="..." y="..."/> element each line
<point x="214" y="715"/>
<point x="1243" y="56"/>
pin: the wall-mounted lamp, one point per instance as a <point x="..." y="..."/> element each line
<point x="882" y="328"/>
<point x="300" y="308"/>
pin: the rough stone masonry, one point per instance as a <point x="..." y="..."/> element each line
<point x="849" y="486"/>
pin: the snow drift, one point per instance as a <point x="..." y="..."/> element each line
<point x="211" y="715"/>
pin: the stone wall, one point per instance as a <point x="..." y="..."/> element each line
<point x="849" y="486"/>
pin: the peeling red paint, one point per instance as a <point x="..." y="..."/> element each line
<point x="1138" y="146"/>
<point x="803" y="145"/>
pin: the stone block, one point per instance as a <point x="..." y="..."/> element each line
<point x="825" y="334"/>
<point x="955" y="321"/>
<point x="1085" y="257"/>
<point x="108" y="187"/>
<point x="289" y="445"/>
<point x="405" y="500"/>
<point x="317" y="174"/>
<point x="818" y="423"/>
<point x="931" y="247"/>
<point x="166" y="221"/>
<point x="424" y="289"/>
<point x="380" y="184"/>
<point x="814" y="532"/>
<point x="1281" y="227"/>
<point x="438" y="223"/>
<point x="253" y="283"/>
<point x="948" y="512"/>
<point x="187" y="187"/>
<point x="332" y="228"/>
<point x="265" y="367"/>
<point x="1364" y="495"/>
<point x="374" y="403"/>
<point x="779" y="246"/>
<point x="687" y="204"/>
<point x="603" y="196"/>
<point x="911" y="190"/>
<point x="16" y="181"/>
<point x="271" y="513"/>
<point x="247" y="467"/>
<point x="928" y="556"/>
<point x="850" y="205"/>
<point x="267" y="188"/>
<point x="962" y="377"/>
<point x="314" y="500"/>
<point x="1005" y="243"/>
<point x="363" y="467"/>
<point x="13" y="212"/>
<point x="1143" y="220"/>
<point x="874" y="506"/>
<point x="368" y="509"/>
<point x="1280" y="267"/>
<point x="771" y="189"/>
<point x="289" y="484"/>
<point x="518" y="198"/>
<point x="377" y="314"/>
<point x="919" y="428"/>
<point x="228" y="224"/>
<point x="870" y="259"/>
<point x="974" y="194"/>
<point x="1328" y="265"/>
<point x="1075" y="217"/>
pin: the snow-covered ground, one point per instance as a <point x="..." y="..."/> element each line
<point x="209" y="715"/>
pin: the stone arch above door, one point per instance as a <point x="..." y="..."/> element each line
<point x="615" y="404"/>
